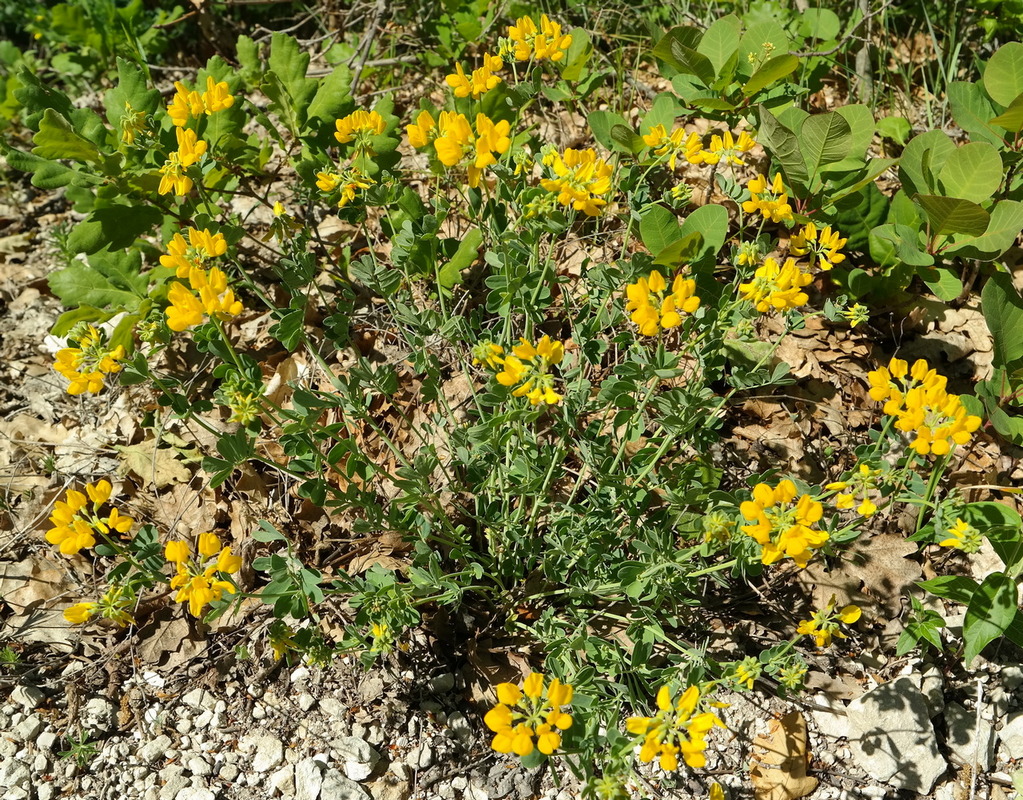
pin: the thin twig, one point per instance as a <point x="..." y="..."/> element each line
<point x="844" y="39"/>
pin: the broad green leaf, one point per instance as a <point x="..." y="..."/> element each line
<point x="861" y="127"/>
<point x="784" y="148"/>
<point x="83" y="284"/>
<point x="57" y="139"/>
<point x="972" y="172"/>
<point x="852" y="183"/>
<point x="47" y="174"/>
<point x="467" y="252"/>
<point x="711" y="222"/>
<point x="1005" y="225"/>
<point x="683" y="251"/>
<point x="247" y="52"/>
<point x="898" y="242"/>
<point x="752" y="50"/>
<point x="721" y="41"/>
<point x="288" y="328"/>
<point x="658" y="228"/>
<point x="819" y="23"/>
<point x="678" y="49"/>
<point x="601" y="123"/>
<point x="953" y="215"/>
<point x="824" y="139"/>
<point x="897" y="129"/>
<point x="664" y="111"/>
<point x="84" y="313"/>
<point x="773" y="70"/>
<point x="957" y="588"/>
<point x="1003" y="76"/>
<point x="1003" y="527"/>
<point x="989" y="614"/>
<point x="577" y="56"/>
<point x="629" y="140"/>
<point x="941" y="280"/>
<point x="972" y="111"/>
<point x="857" y="214"/>
<point x="36" y="97"/>
<point x="1003" y="313"/>
<point x="132" y="88"/>
<point x="116" y="227"/>
<point x="1012" y="119"/>
<point x="935" y="146"/>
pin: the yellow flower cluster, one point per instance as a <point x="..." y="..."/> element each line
<point x="209" y="294"/>
<point x="531" y="717"/>
<point x="580" y="178"/>
<point x="917" y="398"/>
<point x="783" y="522"/>
<point x="172" y="173"/>
<point x="188" y="103"/>
<point x="113" y="605"/>
<point x="350" y="181"/>
<point x="454" y="140"/>
<point x="76" y="519"/>
<point x="84" y="366"/>
<point x="546" y="42"/>
<point x="479" y="81"/>
<point x="679" y="728"/>
<point x="722" y="147"/>
<point x="861" y="484"/>
<point x="778" y="287"/>
<point x="360" y="126"/>
<point x="653" y="310"/>
<point x="527" y="369"/>
<point x="769" y="199"/>
<point x="196" y="580"/>
<point x="822" y="246"/>
<point x="963" y="536"/>
<point x="823" y="624"/>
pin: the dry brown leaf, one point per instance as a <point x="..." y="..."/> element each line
<point x="31" y="582"/>
<point x="881" y="563"/>
<point x="168" y="640"/>
<point x="160" y="466"/>
<point x="778" y="767"/>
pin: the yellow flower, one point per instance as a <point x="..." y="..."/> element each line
<point x="360" y="126"/>
<point x="745" y="672"/>
<point x="768" y="199"/>
<point x="481" y="80"/>
<point x="424" y="130"/>
<point x="725" y="147"/>
<point x="857" y="314"/>
<point x="547" y="42"/>
<point x="216" y="97"/>
<point x="963" y="536"/>
<point x="653" y="310"/>
<point x="823" y="625"/>
<point x="527" y="369"/>
<point x="190" y="147"/>
<point x="455" y="140"/>
<point x="822" y="246"/>
<point x="197" y="582"/>
<point x="84" y="366"/>
<point x="190" y="150"/>
<point x="486" y="352"/>
<point x="80" y="613"/>
<point x="350" y="182"/>
<point x="678" y="728"/>
<point x="580" y="178"/>
<point x="184" y="256"/>
<point x="674" y="145"/>
<point x="530" y="718"/>
<point x="134" y="124"/>
<point x="184" y="310"/>
<point x="922" y="407"/>
<point x="76" y="519"/>
<point x="778" y="287"/>
<point x="184" y="105"/>
<point x="783" y="523"/>
<point x="716" y="792"/>
<point x="861" y="484"/>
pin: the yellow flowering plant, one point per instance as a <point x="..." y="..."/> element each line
<point x="530" y="717"/>
<point x="677" y="731"/>
<point x="783" y="523"/>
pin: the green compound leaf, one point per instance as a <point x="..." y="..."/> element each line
<point x="57" y="139"/>
<point x="468" y="251"/>
<point x="989" y="614"/>
<point x="1003" y="77"/>
<point x="116" y="227"/>
<point x="1005" y="225"/>
<point x="1003" y="313"/>
<point x="972" y="172"/>
<point x="957" y="588"/>
<point x="953" y="215"/>
<point x="773" y="70"/>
